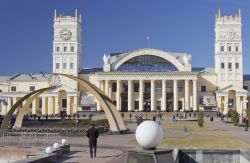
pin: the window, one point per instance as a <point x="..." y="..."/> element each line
<point x="57" y="49"/>
<point x="71" y="65"/>
<point x="64" y="103"/>
<point x="57" y="65"/>
<point x="72" y="49"/>
<point x="31" y="105"/>
<point x="40" y="103"/>
<point x="237" y="65"/>
<point x="245" y="87"/>
<point x="180" y="89"/>
<point x="222" y="48"/>
<point x="65" y="49"/>
<point x="136" y="87"/>
<point x="113" y="87"/>
<point x="236" y="48"/>
<point x="64" y="65"/>
<point x="32" y="88"/>
<point x="222" y="65"/>
<point x="13" y="88"/>
<point x="203" y="88"/>
<point x="229" y="48"/>
<point x="230" y="66"/>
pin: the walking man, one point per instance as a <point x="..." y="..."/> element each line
<point x="92" y="134"/>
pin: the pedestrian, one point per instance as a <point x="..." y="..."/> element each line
<point x="92" y="134"/>
<point x="130" y="116"/>
<point x="173" y="118"/>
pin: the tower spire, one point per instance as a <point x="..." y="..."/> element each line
<point x="55" y="14"/>
<point x="76" y="14"/>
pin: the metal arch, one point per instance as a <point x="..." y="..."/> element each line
<point x="8" y="116"/>
<point x="25" y="109"/>
<point x="114" y="118"/>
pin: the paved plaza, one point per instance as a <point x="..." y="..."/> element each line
<point x="112" y="148"/>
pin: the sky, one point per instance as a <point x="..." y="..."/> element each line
<point x="26" y="30"/>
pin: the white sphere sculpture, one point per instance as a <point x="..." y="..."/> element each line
<point x="56" y="146"/>
<point x="149" y="134"/>
<point x="64" y="141"/>
<point x="48" y="150"/>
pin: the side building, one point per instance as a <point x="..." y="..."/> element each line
<point x="141" y="79"/>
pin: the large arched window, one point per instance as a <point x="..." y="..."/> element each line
<point x="147" y="63"/>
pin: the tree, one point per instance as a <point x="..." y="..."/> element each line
<point x="200" y="119"/>
<point x="234" y="116"/>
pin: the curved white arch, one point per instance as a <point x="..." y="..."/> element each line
<point x="153" y="52"/>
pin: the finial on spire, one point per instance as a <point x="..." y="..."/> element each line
<point x="80" y="17"/>
<point x="239" y="13"/>
<point x="76" y="13"/>
<point x="219" y="13"/>
<point x="55" y="14"/>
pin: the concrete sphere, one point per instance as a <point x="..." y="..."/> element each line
<point x="64" y="141"/>
<point x="149" y="134"/>
<point x="48" y="150"/>
<point x="56" y="146"/>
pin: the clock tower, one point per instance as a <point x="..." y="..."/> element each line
<point x="228" y="50"/>
<point x="67" y="47"/>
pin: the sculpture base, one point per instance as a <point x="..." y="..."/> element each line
<point x="150" y="156"/>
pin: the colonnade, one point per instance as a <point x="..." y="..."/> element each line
<point x="106" y="86"/>
<point x="49" y="105"/>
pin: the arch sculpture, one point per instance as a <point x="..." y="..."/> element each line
<point x="29" y="99"/>
<point x="114" y="118"/>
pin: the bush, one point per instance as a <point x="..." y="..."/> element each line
<point x="200" y="119"/>
<point x="234" y="116"/>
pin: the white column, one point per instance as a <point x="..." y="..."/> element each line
<point x="195" y="95"/>
<point x="118" y="95"/>
<point x="4" y="109"/>
<point x="238" y="105"/>
<point x="75" y="104"/>
<point x="68" y="105"/>
<point x="163" y="97"/>
<point x="225" y="105"/>
<point x="50" y="107"/>
<point x="34" y="106"/>
<point x="175" y="95"/>
<point x="9" y="104"/>
<point x="244" y="104"/>
<point x="43" y="105"/>
<point x="152" y="95"/>
<point x="130" y="95"/>
<point x="187" y="95"/>
<point x="56" y="105"/>
<point x="110" y="90"/>
<point x="141" y="95"/>
<point x="14" y="101"/>
<point x="218" y="98"/>
<point x="98" y="106"/>
<point x="107" y="87"/>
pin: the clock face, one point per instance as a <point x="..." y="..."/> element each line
<point x="231" y="34"/>
<point x="65" y="34"/>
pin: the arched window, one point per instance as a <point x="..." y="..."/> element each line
<point x="147" y="63"/>
<point x="65" y="49"/>
<point x="72" y="49"/>
<point x="57" y="49"/>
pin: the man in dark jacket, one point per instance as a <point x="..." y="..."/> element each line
<point x="92" y="134"/>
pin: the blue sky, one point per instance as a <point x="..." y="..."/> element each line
<point x="114" y="26"/>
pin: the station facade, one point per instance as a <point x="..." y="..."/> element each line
<point x="138" y="80"/>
